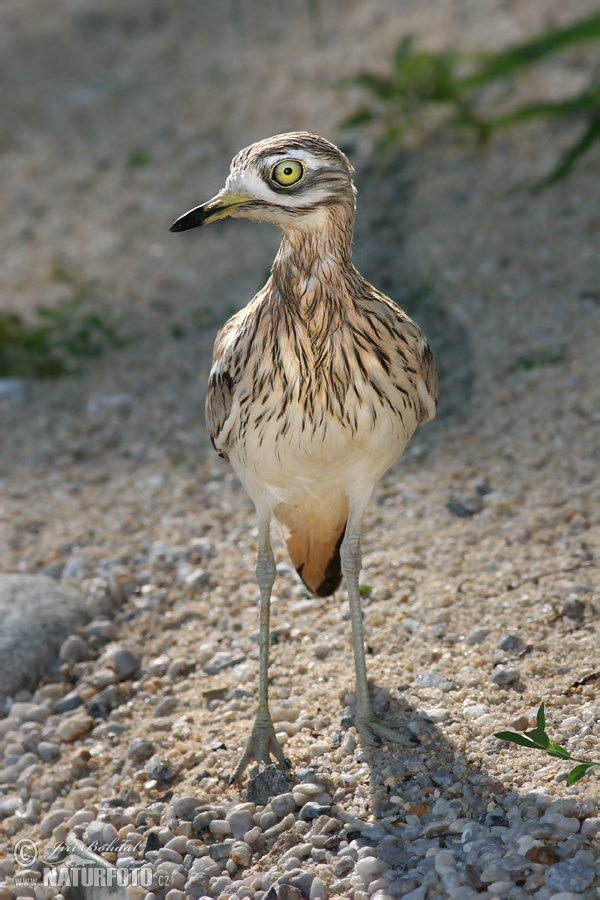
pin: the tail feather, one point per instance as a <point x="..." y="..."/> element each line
<point x="313" y="534"/>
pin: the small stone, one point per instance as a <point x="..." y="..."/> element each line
<point x="30" y="813"/>
<point x="74" y="649"/>
<point x="312" y="811"/>
<point x="283" y="804"/>
<point x="505" y="675"/>
<point x="67" y="703"/>
<point x="266" y="784"/>
<point x="510" y="642"/>
<point x="159" y="769"/>
<point x="496" y="820"/>
<point x="369" y="868"/>
<point x="348" y="744"/>
<point x="438" y="715"/>
<point x="560" y="822"/>
<point x="591" y="826"/>
<point x="166" y="706"/>
<point x="492" y="873"/>
<point x="545" y="855"/>
<point x="573" y="608"/>
<point x="569" y="875"/>
<point x="9" y="806"/>
<point x="220" y="827"/>
<point x="51" y="820"/>
<point x="124" y="662"/>
<point x="476" y="636"/>
<point x="101" y="631"/>
<point x="174" y="894"/>
<point x="139" y="750"/>
<point x="47" y="751"/>
<point x="185" y="808"/>
<point x="177" y="668"/>
<point x="240" y="822"/>
<point x="321" y="651"/>
<point x="241" y="854"/>
<point x="74" y="727"/>
<point x="221" y="661"/>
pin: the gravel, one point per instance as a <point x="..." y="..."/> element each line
<point x="474" y="614"/>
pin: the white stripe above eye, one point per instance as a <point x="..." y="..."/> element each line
<point x="249" y="181"/>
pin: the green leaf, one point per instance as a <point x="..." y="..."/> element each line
<point x="589" y="137"/>
<point x="518" y="739"/>
<point x="360" y="117"/>
<point x="538" y="737"/>
<point x="541" y="718"/>
<point x="499" y="65"/>
<point x="579" y="771"/>
<point x="382" y="88"/>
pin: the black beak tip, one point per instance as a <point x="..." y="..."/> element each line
<point x="192" y="219"/>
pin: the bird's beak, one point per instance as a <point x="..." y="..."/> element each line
<point x="217" y="208"/>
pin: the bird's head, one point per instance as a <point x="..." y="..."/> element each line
<point x="294" y="180"/>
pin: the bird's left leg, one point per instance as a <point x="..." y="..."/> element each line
<point x="262" y="741"/>
<point x="371" y="727"/>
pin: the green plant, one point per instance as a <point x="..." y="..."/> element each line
<point x="537" y="739"/>
<point x="138" y="157"/>
<point x="49" y="346"/>
<point x="546" y="357"/>
<point x="421" y="84"/>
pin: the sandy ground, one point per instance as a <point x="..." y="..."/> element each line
<point x="104" y="465"/>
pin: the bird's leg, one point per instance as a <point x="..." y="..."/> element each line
<point x="371" y="727"/>
<point x="262" y="741"/>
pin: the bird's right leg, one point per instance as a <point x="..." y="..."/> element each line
<point x="371" y="727"/>
<point x="262" y="741"/>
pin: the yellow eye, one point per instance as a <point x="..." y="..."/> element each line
<point x="287" y="172"/>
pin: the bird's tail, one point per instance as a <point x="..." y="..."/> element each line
<point x="313" y="531"/>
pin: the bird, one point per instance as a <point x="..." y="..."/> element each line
<point x="316" y="387"/>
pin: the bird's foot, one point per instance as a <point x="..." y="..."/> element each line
<point x="374" y="729"/>
<point x="260" y="745"/>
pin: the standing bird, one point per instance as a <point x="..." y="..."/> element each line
<point x="315" y="389"/>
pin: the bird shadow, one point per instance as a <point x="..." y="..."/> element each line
<point x="419" y="800"/>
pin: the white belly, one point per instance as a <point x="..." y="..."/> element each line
<point x="279" y="459"/>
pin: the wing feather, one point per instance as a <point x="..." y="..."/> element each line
<point x="219" y="400"/>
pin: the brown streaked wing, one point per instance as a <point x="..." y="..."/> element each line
<point x="430" y="377"/>
<point x="219" y="399"/>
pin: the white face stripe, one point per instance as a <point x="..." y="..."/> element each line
<point x="248" y="180"/>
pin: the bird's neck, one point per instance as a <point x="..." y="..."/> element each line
<point x="313" y="263"/>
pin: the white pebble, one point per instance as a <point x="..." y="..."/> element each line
<point x="220" y="826"/>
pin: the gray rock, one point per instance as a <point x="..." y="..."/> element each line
<point x="569" y="875"/>
<point x="9" y="806"/>
<point x="573" y="608"/>
<point x="505" y="675"/>
<point x="124" y="662"/>
<point x="283" y="804"/>
<point x="268" y="783"/>
<point x="74" y="649"/>
<point x="139" y="750"/>
<point x="312" y="811"/>
<point x="37" y="615"/>
<point x="166" y="706"/>
<point x="184" y="808"/>
<point x="159" y="770"/>
<point x="47" y="751"/>
<point x="67" y="703"/>
<point x="510" y="641"/>
<point x="222" y="661"/>
<point x="51" y="820"/>
<point x="476" y="636"/>
<point x="241" y="821"/>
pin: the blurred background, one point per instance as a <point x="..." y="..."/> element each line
<point x="118" y="115"/>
